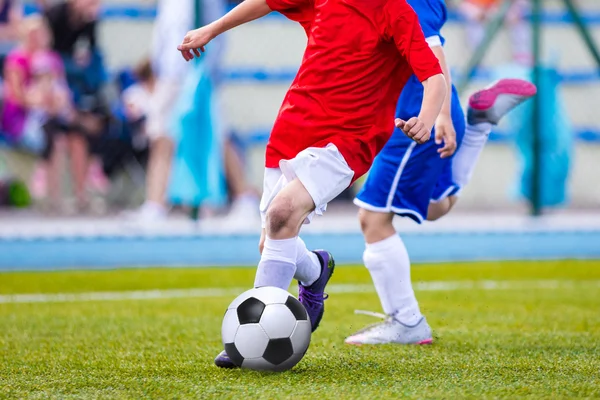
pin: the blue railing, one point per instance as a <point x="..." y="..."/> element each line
<point x="582" y="134"/>
<point x="573" y="76"/>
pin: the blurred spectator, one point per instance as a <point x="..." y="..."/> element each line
<point x="127" y="143"/>
<point x="44" y="4"/>
<point x="136" y="101"/>
<point x="245" y="200"/>
<point x="478" y="12"/>
<point x="37" y="112"/>
<point x="73" y="24"/>
<point x="11" y="14"/>
<point x="198" y="135"/>
<point x="174" y="20"/>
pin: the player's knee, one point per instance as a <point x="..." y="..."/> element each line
<point x="375" y="225"/>
<point x="369" y="220"/>
<point x="279" y="214"/>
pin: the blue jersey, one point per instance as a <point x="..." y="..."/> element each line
<point x="406" y="177"/>
<point x="432" y="17"/>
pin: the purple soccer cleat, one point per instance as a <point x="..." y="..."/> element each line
<point x="313" y="297"/>
<point x="223" y="361"/>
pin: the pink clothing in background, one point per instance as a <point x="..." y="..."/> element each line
<point x="14" y="114"/>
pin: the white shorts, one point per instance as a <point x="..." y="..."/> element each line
<point x="160" y="110"/>
<point x="323" y="172"/>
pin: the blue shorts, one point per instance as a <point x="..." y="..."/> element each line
<point x="405" y="177"/>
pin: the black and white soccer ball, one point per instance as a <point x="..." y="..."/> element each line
<point x="266" y="329"/>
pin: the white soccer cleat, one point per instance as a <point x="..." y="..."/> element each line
<point x="494" y="102"/>
<point x="392" y="331"/>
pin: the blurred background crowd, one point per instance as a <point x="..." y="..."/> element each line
<point x="79" y="136"/>
<point x="83" y="126"/>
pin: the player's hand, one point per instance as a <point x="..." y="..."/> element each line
<point x="445" y="133"/>
<point x="415" y="129"/>
<point x="194" y="42"/>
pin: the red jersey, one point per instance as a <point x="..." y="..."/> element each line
<point x="359" y="56"/>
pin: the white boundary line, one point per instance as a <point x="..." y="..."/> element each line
<point x="432" y="286"/>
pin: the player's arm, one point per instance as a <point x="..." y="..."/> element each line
<point x="434" y="95"/>
<point x="195" y="40"/>
<point x="408" y="36"/>
<point x="434" y="92"/>
<point x="444" y="127"/>
<point x="438" y="51"/>
<point x="248" y="10"/>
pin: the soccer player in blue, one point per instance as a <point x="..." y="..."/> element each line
<point x="422" y="182"/>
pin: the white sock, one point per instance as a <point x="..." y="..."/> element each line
<point x="308" y="267"/>
<point x="277" y="264"/>
<point x="465" y="159"/>
<point x="389" y="265"/>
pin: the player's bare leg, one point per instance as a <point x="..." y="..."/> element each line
<point x="79" y="158"/>
<point x="261" y="242"/>
<point x="387" y="260"/>
<point x="376" y="226"/>
<point x="440" y="208"/>
<point x="287" y="211"/>
<point x="157" y="179"/>
<point x="244" y="199"/>
<point x="284" y="252"/>
<point x="159" y="169"/>
<point x="278" y="245"/>
<point x="486" y="108"/>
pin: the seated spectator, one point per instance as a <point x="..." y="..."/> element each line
<point x="37" y="113"/>
<point x="11" y="14"/>
<point x="136" y="98"/>
<point x="127" y="141"/>
<point x="478" y="12"/>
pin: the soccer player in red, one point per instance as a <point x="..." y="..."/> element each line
<point x="335" y="118"/>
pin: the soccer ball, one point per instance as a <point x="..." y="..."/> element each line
<point x="266" y="329"/>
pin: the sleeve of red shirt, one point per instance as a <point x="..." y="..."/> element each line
<point x="404" y="29"/>
<point x="301" y="11"/>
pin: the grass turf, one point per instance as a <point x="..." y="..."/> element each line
<point x="519" y="341"/>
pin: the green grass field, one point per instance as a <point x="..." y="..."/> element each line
<point x="501" y="330"/>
